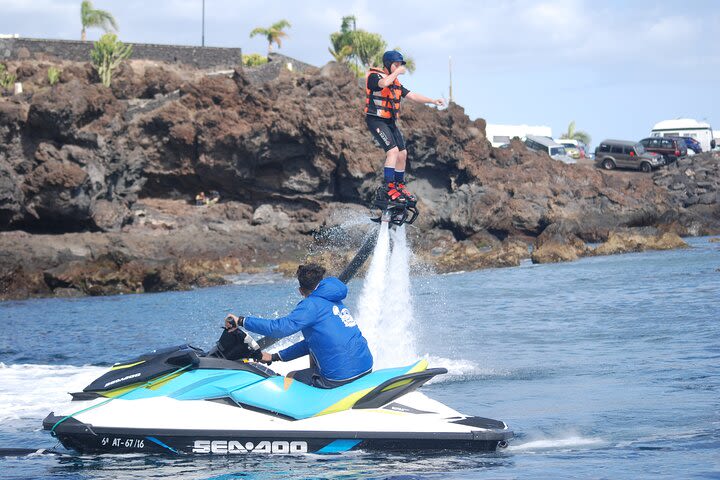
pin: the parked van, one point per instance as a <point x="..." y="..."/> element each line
<point x="549" y="146"/>
<point x="686" y="127"/>
<point x="625" y="154"/>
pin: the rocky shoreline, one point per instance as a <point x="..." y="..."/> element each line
<point x="96" y="184"/>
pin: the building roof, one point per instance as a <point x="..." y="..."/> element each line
<point x="681" y="123"/>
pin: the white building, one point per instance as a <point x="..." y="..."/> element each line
<point x="685" y="127"/>
<point x="502" y="134"/>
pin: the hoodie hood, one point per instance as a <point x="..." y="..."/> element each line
<point x="330" y="289"/>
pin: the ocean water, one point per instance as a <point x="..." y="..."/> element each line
<point x="606" y="367"/>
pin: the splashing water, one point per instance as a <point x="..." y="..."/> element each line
<point x="398" y="320"/>
<point x="370" y="303"/>
<point x="385" y="310"/>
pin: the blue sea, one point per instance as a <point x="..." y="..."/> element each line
<point x="606" y="367"/>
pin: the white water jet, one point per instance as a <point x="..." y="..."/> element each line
<point x="370" y="303"/>
<point x="397" y="322"/>
<point x="385" y="311"/>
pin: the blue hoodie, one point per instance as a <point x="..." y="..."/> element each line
<point x="332" y="337"/>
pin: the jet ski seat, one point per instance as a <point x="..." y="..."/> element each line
<point x="293" y="399"/>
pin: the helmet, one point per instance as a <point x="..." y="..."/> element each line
<point x="390" y="57"/>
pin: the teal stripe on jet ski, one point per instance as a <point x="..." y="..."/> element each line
<point x="339" y="446"/>
<point x="155" y="440"/>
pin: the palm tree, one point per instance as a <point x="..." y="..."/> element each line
<point x="90" y="18"/>
<point x="576" y="134"/>
<point x="273" y="34"/>
<point x="342" y="41"/>
<point x="360" y="49"/>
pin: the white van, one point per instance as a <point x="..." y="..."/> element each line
<point x="686" y="127"/>
<point x="548" y="145"/>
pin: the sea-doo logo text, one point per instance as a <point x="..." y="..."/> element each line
<point x="127" y="377"/>
<point x="224" y="447"/>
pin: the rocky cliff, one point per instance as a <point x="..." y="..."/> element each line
<point x="93" y="179"/>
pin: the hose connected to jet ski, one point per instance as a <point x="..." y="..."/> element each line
<point x="345" y="276"/>
<point x="392" y="212"/>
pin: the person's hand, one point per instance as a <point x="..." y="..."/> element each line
<point x="439" y="102"/>
<point x="266" y="358"/>
<point x="231" y="322"/>
<point x="400" y="70"/>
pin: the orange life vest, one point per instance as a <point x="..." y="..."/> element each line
<point x="386" y="103"/>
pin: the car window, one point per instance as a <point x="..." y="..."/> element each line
<point x="604" y="148"/>
<point x="655" y="143"/>
<point x="616" y="149"/>
<point x="645" y="141"/>
<point x="639" y="149"/>
<point x="666" y="144"/>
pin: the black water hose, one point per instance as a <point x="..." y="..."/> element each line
<point x="359" y="259"/>
<point x="346" y="275"/>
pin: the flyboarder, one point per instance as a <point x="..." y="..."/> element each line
<point x="383" y="95"/>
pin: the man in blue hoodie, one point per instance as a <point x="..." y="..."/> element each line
<point x="338" y="352"/>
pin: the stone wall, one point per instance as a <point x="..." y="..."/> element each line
<point x="271" y="70"/>
<point x="198" y="57"/>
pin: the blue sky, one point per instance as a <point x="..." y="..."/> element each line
<point x="614" y="67"/>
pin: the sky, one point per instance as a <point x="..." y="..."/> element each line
<point x="614" y="67"/>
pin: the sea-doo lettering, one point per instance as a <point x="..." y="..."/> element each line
<point x="127" y="377"/>
<point x="224" y="447"/>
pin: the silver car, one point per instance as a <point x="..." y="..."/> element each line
<point x="612" y="154"/>
<point x="549" y="146"/>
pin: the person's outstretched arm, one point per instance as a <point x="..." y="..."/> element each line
<point x="303" y="315"/>
<point x="416" y="97"/>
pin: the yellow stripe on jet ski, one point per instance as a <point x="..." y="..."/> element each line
<point x="151" y="386"/>
<point x="421" y="366"/>
<point x="396" y="385"/>
<point x="120" y="366"/>
<point x="348" y="402"/>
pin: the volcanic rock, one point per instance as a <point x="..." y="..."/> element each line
<point x="629" y="242"/>
<point x="287" y="156"/>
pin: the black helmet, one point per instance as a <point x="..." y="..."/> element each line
<point x="390" y="57"/>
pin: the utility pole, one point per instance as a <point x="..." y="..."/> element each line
<point x="203" y="23"/>
<point x="450" y="71"/>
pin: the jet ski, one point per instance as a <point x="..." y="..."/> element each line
<point x="182" y="400"/>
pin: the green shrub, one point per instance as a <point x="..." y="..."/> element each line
<point x="7" y="79"/>
<point x="53" y="75"/>
<point x="254" y="59"/>
<point x="107" y="54"/>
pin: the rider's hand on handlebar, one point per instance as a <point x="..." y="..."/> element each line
<point x="232" y="322"/>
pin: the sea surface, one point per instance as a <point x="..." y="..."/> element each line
<point x="606" y="367"/>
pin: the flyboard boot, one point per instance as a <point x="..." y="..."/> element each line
<point x="397" y="206"/>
